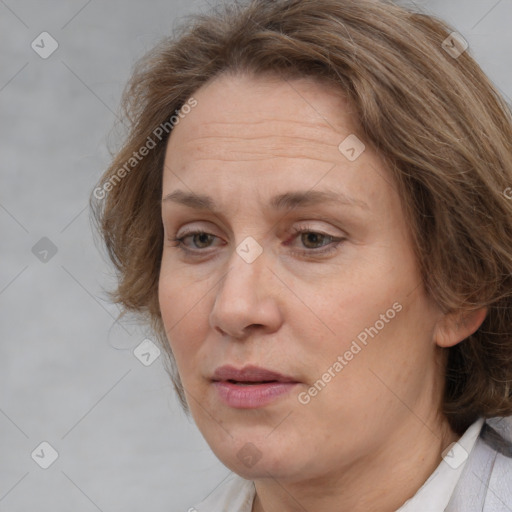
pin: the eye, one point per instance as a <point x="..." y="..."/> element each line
<point x="313" y="241"/>
<point x="200" y="239"/>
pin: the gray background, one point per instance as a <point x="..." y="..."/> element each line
<point x="68" y="374"/>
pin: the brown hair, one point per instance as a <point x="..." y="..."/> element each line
<point x="434" y="117"/>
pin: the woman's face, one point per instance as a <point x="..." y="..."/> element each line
<point x="305" y="268"/>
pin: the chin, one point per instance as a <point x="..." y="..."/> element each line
<point x="256" y="457"/>
<point x="259" y="469"/>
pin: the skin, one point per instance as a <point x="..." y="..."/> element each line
<point x="373" y="435"/>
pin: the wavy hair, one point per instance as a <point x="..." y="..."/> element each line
<point x="435" y="118"/>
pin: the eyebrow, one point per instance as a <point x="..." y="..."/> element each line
<point x="286" y="201"/>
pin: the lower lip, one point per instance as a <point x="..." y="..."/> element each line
<point x="251" y="396"/>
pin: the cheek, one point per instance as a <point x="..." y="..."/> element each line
<point x="183" y="315"/>
<point x="353" y="301"/>
<point x="180" y="295"/>
<point x="370" y="315"/>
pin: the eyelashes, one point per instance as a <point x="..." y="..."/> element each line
<point x="203" y="237"/>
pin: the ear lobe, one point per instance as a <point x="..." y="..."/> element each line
<point x="454" y="327"/>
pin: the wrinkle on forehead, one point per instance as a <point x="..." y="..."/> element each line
<point x="255" y="102"/>
<point x="247" y="132"/>
<point x="268" y="126"/>
<point x="231" y="148"/>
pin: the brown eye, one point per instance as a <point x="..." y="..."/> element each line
<point x="314" y="242"/>
<point x="201" y="238"/>
<point x="310" y="239"/>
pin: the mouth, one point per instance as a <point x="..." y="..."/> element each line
<point x="249" y="375"/>
<point x="250" y="387"/>
<point x="247" y="383"/>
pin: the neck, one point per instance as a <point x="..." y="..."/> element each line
<point x="380" y="481"/>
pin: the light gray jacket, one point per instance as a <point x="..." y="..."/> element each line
<point x="485" y="484"/>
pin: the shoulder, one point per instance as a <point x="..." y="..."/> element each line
<point x="234" y="494"/>
<point x="486" y="482"/>
<point x="497" y="437"/>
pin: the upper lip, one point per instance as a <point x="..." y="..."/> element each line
<point x="249" y="374"/>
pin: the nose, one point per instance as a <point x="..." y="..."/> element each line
<point x="246" y="299"/>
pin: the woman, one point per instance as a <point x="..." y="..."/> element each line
<point x="311" y="211"/>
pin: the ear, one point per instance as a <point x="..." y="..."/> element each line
<point x="454" y="327"/>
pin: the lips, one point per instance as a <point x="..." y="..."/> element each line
<point x="249" y="375"/>
<point x="251" y="387"/>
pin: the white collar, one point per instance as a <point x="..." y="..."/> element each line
<point x="435" y="493"/>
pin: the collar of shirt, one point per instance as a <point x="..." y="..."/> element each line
<point x="237" y="494"/>
<point x="435" y="493"/>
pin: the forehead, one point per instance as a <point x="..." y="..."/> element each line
<point x="290" y="96"/>
<point x="268" y="132"/>
<point x="296" y="113"/>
